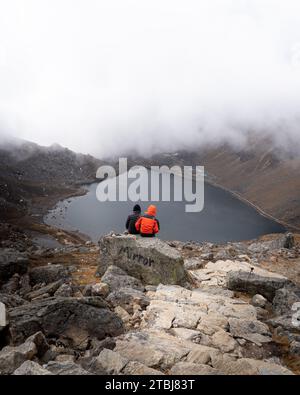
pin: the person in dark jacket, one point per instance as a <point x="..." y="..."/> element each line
<point x="132" y="218"/>
<point x="148" y="224"/>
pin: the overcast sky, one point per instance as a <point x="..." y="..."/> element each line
<point x="104" y="76"/>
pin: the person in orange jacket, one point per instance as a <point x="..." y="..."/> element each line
<point x="147" y="224"/>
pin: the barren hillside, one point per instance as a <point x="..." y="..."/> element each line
<point x="30" y="173"/>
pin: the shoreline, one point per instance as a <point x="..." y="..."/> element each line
<point x="33" y="220"/>
<point x="81" y="189"/>
<point x="79" y="236"/>
<point x="286" y="227"/>
<point x="249" y="203"/>
<point x="208" y="178"/>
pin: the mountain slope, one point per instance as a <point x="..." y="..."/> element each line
<point x="271" y="183"/>
<point x="29" y="171"/>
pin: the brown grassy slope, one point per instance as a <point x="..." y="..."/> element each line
<point x="270" y="183"/>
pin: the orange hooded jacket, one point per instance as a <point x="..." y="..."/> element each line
<point x="148" y="224"/>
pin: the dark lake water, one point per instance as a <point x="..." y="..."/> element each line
<point x="224" y="218"/>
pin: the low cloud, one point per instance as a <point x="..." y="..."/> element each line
<point x="108" y="77"/>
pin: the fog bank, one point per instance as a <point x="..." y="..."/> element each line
<point x="107" y="77"/>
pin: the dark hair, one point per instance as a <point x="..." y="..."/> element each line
<point x="137" y="207"/>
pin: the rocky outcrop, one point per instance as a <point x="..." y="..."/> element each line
<point x="59" y="172"/>
<point x="284" y="241"/>
<point x="30" y="368"/>
<point x="11" y="300"/>
<point x="111" y="362"/>
<point x="254" y="331"/>
<point x="11" y="262"/>
<point x="199" y="331"/>
<point x="137" y="368"/>
<point x="286" y="322"/>
<point x="182" y="326"/>
<point x="194" y="263"/>
<point x="49" y="274"/>
<point x="194" y="369"/>
<point x="128" y="298"/>
<point x="74" y="319"/>
<point x="66" y="369"/>
<point x="285" y="298"/>
<point x="66" y="290"/>
<point x="253" y="367"/>
<point x="47" y="291"/>
<point x="264" y="283"/>
<point x="295" y="348"/>
<point x="154" y="349"/>
<point x="150" y="260"/>
<point x="12" y="358"/>
<point x="139" y="325"/>
<point x="116" y="278"/>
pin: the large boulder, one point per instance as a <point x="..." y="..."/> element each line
<point x="74" y="319"/>
<point x="40" y="342"/>
<point x="48" y="274"/>
<point x="214" y="274"/>
<point x="13" y="357"/>
<point x="110" y="362"/>
<point x="154" y="349"/>
<point x="30" y="368"/>
<point x="65" y="290"/>
<point x="254" y="331"/>
<point x="160" y="350"/>
<point x="11" y="300"/>
<point x="11" y="262"/>
<point x="148" y="259"/>
<point x="48" y="290"/>
<point x="12" y="285"/>
<point x="286" y="240"/>
<point x="66" y="369"/>
<point x="127" y="298"/>
<point x="285" y="298"/>
<point x="288" y="324"/>
<point x="248" y="366"/>
<point x="295" y="348"/>
<point x="116" y="278"/>
<point x="194" y="263"/>
<point x="256" y="282"/>
<point x="136" y="368"/>
<point x="223" y="341"/>
<point x="194" y="369"/>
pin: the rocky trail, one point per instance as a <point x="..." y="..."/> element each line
<point x="143" y="306"/>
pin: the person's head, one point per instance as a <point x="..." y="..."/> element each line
<point x="151" y="210"/>
<point x="137" y="208"/>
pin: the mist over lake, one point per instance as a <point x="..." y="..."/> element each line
<point x="224" y="217"/>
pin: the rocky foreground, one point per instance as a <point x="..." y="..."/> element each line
<point x="143" y="306"/>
